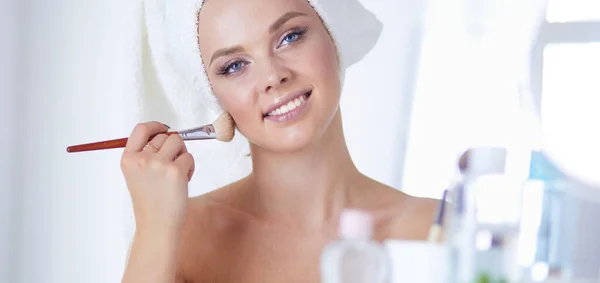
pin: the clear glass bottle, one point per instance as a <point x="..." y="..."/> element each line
<point x="355" y="257"/>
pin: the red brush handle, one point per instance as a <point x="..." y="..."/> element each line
<point x="101" y="145"/>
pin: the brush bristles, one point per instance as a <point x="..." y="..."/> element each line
<point x="225" y="128"/>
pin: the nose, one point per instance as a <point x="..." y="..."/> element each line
<point x="274" y="74"/>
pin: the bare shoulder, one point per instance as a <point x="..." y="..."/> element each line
<point x="214" y="213"/>
<point x="399" y="215"/>
<point x="414" y="219"/>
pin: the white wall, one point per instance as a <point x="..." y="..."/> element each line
<point x="69" y="207"/>
<point x="378" y="93"/>
<point x="8" y="49"/>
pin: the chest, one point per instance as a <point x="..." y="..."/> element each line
<point x="252" y="252"/>
<point x="260" y="260"/>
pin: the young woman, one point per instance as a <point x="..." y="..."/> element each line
<point x="274" y="67"/>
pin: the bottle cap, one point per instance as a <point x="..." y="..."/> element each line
<point x="541" y="168"/>
<point x="486" y="161"/>
<point x="356" y="224"/>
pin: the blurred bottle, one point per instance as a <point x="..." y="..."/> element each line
<point x="484" y="219"/>
<point x="355" y="258"/>
<point x="558" y="232"/>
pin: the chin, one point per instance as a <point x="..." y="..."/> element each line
<point x="292" y="141"/>
<point x="293" y="138"/>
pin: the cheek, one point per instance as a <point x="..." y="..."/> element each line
<point x="234" y="103"/>
<point x="321" y="64"/>
<point x="237" y="101"/>
<point x="328" y="55"/>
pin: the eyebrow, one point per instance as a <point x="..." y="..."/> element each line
<point x="283" y="19"/>
<point x="225" y="52"/>
<point x="274" y="27"/>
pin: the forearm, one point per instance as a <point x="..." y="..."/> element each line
<point x="153" y="259"/>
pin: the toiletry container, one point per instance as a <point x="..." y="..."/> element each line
<point x="484" y="229"/>
<point x="355" y="257"/>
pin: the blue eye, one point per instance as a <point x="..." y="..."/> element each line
<point x="231" y="68"/>
<point x="293" y="36"/>
<point x="235" y="66"/>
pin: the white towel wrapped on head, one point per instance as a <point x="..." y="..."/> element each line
<point x="172" y="34"/>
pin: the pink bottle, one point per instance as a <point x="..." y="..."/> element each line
<point x="355" y="257"/>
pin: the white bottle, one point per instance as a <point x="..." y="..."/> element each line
<point x="355" y="257"/>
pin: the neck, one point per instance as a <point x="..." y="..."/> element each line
<point x="311" y="185"/>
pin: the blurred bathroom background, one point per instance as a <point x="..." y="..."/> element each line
<point x="61" y="215"/>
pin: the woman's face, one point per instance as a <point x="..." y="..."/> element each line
<point x="273" y="67"/>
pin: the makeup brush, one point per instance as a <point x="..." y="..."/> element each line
<point x="435" y="231"/>
<point x="222" y="129"/>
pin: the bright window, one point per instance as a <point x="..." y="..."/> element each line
<point x="570" y="104"/>
<point x="566" y="67"/>
<point x="573" y="10"/>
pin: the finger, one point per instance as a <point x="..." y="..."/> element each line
<point x="185" y="162"/>
<point x="182" y="151"/>
<point x="158" y="141"/>
<point x="142" y="133"/>
<point x="173" y="147"/>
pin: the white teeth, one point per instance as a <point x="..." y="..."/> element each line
<point x="288" y="107"/>
<point x="291" y="105"/>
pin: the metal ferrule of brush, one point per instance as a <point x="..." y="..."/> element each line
<point x="206" y="132"/>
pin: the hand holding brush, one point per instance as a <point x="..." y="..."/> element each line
<point x="157" y="168"/>
<point x="222" y="129"/>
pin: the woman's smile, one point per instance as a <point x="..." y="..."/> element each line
<point x="290" y="107"/>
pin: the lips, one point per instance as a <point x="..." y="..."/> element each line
<point x="288" y="103"/>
